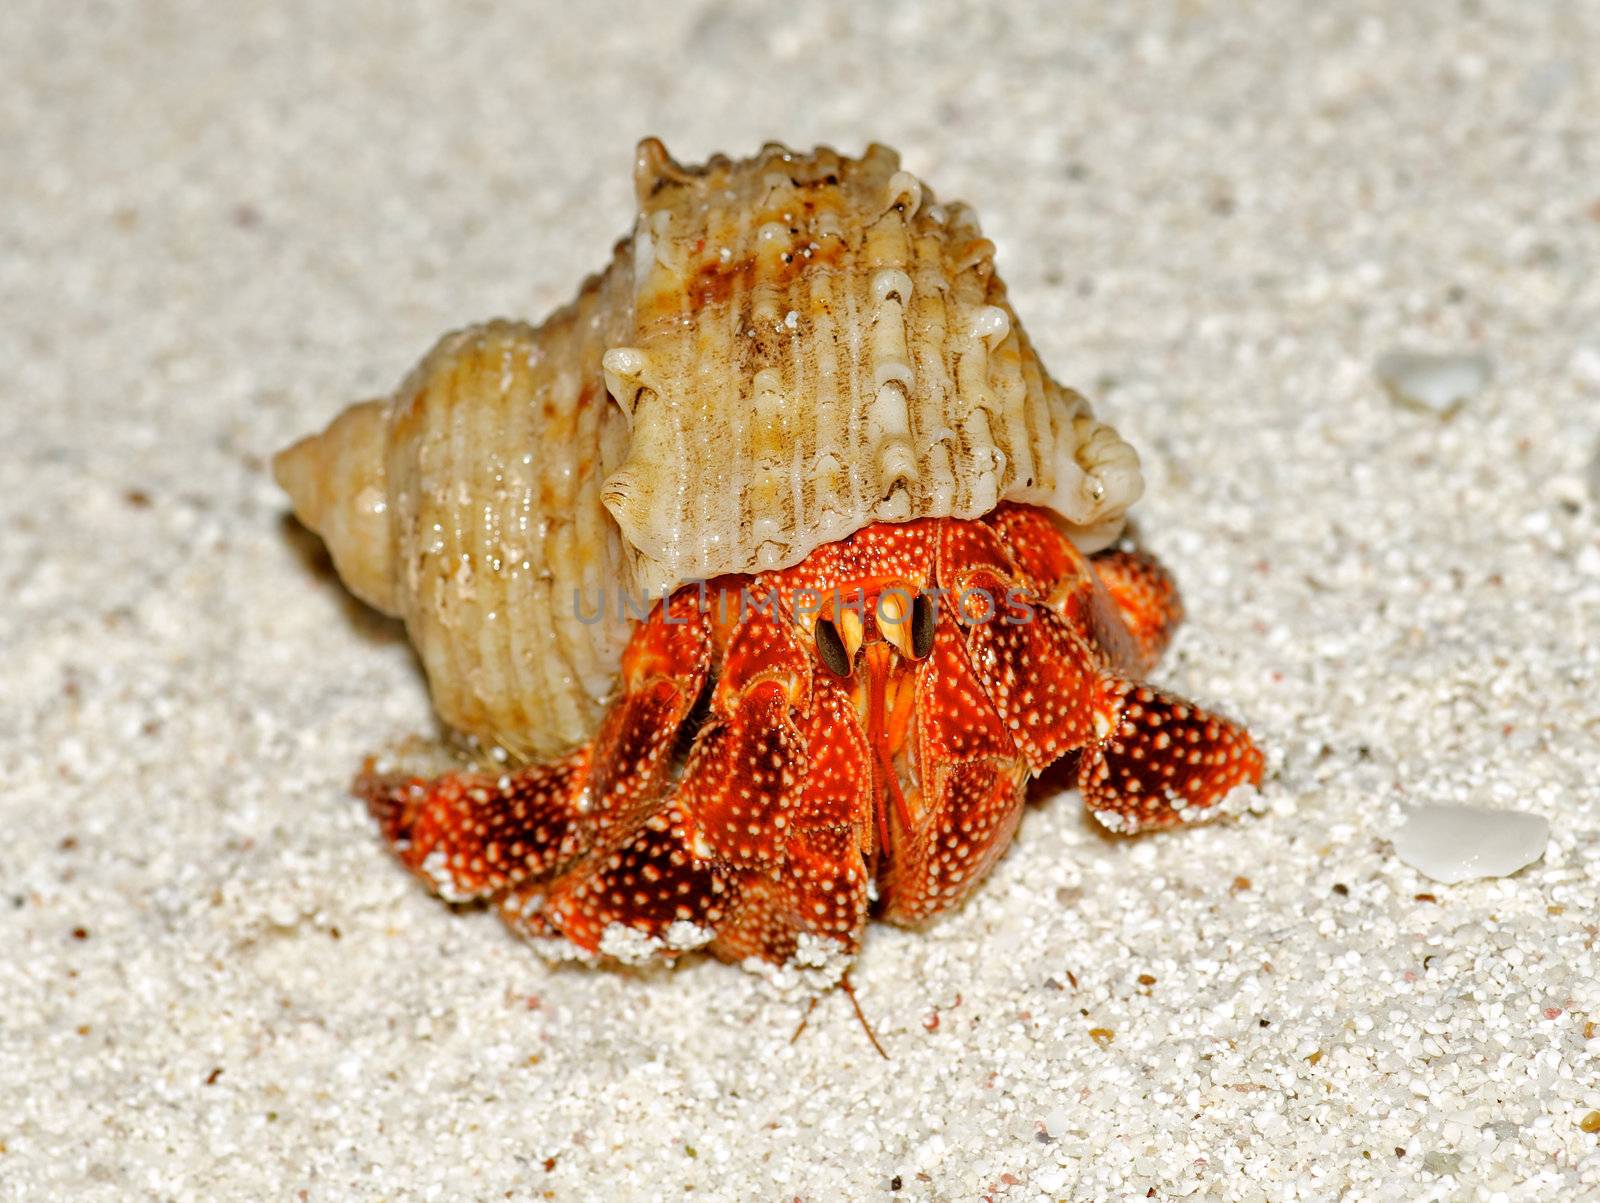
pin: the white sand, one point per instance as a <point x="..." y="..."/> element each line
<point x="218" y="228"/>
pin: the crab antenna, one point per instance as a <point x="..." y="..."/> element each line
<point x="844" y="984"/>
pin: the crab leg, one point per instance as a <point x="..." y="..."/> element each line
<point x="1166" y="762"/>
<point x="744" y="772"/>
<point x="475" y="835"/>
<point x="472" y="835"/>
<point x="1148" y="759"/>
<point x="1145" y="598"/>
<point x="831" y="823"/>
<point x="969" y="816"/>
<point x="1006" y="690"/>
<point x="1123" y="599"/>
<point x="645" y="895"/>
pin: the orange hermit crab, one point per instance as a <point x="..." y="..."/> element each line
<point x="769" y="570"/>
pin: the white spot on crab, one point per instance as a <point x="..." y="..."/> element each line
<point x="436" y="868"/>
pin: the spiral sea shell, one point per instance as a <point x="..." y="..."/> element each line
<point x="788" y="348"/>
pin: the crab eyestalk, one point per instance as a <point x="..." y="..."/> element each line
<point x="894" y="621"/>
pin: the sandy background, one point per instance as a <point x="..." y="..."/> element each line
<point x="219" y="224"/>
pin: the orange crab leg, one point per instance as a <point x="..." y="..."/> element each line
<point x="1166" y="762"/>
<point x="1145" y="598"/>
<point x="831" y="824"/>
<point x="742" y="781"/>
<point x="973" y="811"/>
<point x="639" y="889"/>
<point x="744" y="772"/>
<point x="1039" y="674"/>
<point x="1060" y="578"/>
<point x="474" y="835"/>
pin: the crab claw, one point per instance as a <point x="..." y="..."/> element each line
<point x="774" y="798"/>
<point x="970" y="794"/>
<point x="742" y="779"/>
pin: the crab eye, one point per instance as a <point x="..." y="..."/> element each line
<point x="922" y="618"/>
<point x="830" y="648"/>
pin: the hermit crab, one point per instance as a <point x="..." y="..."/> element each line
<point x="764" y="576"/>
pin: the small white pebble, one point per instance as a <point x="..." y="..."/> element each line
<point x="1458" y="843"/>
<point x="1440" y="384"/>
<point x="1050" y="1179"/>
<point x="1585" y="365"/>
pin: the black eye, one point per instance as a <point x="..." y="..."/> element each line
<point x="830" y="649"/>
<point x="922" y="617"/>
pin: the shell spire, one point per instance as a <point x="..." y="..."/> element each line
<point x="336" y="482"/>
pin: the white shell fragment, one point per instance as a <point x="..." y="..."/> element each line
<point x="1458" y="843"/>
<point x="1439" y="384"/>
<point x="788" y="348"/>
